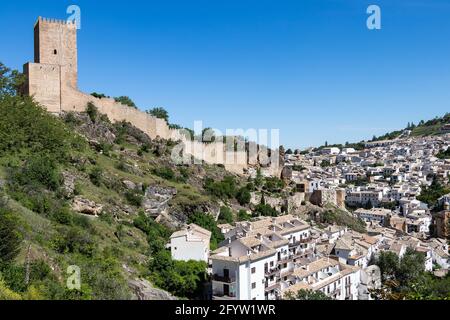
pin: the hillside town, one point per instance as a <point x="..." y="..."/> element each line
<point x="95" y="203"/>
<point x="380" y="185"/>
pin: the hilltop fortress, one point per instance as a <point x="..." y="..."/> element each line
<point x="52" y="79"/>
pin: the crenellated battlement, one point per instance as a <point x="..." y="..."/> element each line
<point x="55" y="21"/>
<point x="51" y="20"/>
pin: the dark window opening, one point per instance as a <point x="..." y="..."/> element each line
<point x="55" y="51"/>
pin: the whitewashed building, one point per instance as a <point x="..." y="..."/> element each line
<point x="191" y="243"/>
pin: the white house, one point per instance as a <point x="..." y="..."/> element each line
<point x="191" y="243"/>
<point x="379" y="215"/>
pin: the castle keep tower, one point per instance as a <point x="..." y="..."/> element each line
<point x="55" y="62"/>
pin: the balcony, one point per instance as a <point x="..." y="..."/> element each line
<point x="302" y="254"/>
<point x="285" y="259"/>
<point x="275" y="286"/>
<point x="222" y="279"/>
<point x="299" y="242"/>
<point x="272" y="271"/>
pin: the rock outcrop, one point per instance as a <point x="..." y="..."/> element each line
<point x="144" y="290"/>
<point x="157" y="198"/>
<point x="85" y="206"/>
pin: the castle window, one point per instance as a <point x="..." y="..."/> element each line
<point x="55" y="51"/>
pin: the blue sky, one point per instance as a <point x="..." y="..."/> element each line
<point x="309" y="68"/>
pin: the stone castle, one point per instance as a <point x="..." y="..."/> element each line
<point x="52" y="79"/>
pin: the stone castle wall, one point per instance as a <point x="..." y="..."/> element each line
<point x="52" y="81"/>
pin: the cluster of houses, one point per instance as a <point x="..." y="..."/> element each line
<point x="386" y="174"/>
<point x="270" y="258"/>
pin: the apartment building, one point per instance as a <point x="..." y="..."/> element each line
<point x="334" y="279"/>
<point x="363" y="197"/>
<point x="257" y="256"/>
<point x="378" y="215"/>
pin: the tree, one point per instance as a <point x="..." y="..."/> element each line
<point x="225" y="189"/>
<point x="92" y="111"/>
<point x="307" y="295"/>
<point x="207" y="222"/>
<point x="411" y="266"/>
<point x="209" y="135"/>
<point x="6" y="293"/>
<point x="10" y="237"/>
<point x="160" y="113"/>
<point x="431" y="194"/>
<point x="243" y="216"/>
<point x="226" y="215"/>
<point x="289" y="151"/>
<point x="126" y="101"/>
<point x="369" y="205"/>
<point x="389" y="263"/>
<point x="243" y="196"/>
<point x="11" y="81"/>
<point x="259" y="179"/>
<point x="265" y="210"/>
<point x="325" y="164"/>
<point x="98" y="95"/>
<point x="40" y="169"/>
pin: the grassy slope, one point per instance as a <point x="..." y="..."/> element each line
<point x="130" y="248"/>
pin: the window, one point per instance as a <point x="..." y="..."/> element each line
<point x="271" y="263"/>
<point x="254" y="285"/>
<point x="55" y="51"/>
<point x="253" y="270"/>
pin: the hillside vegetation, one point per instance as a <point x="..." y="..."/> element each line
<point x="78" y="190"/>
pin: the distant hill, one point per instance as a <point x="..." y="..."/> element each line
<point x="422" y="129"/>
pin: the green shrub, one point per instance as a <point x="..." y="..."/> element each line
<point x="74" y="240"/>
<point x="273" y="184"/>
<point x="96" y="176"/>
<point x="105" y="148"/>
<point x="243" y="216"/>
<point x="14" y="276"/>
<point x="160" y="113"/>
<point x="40" y="169"/>
<point x="208" y="222"/>
<point x="11" y="237"/>
<point x="164" y="172"/>
<point x="265" y="210"/>
<point x="226" y="215"/>
<point x="431" y="194"/>
<point x="134" y="198"/>
<point x="70" y="118"/>
<point x="181" y="278"/>
<point x="225" y="189"/>
<point x="92" y="111"/>
<point x="243" y="196"/>
<point x="126" y="101"/>
<point x="63" y="216"/>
